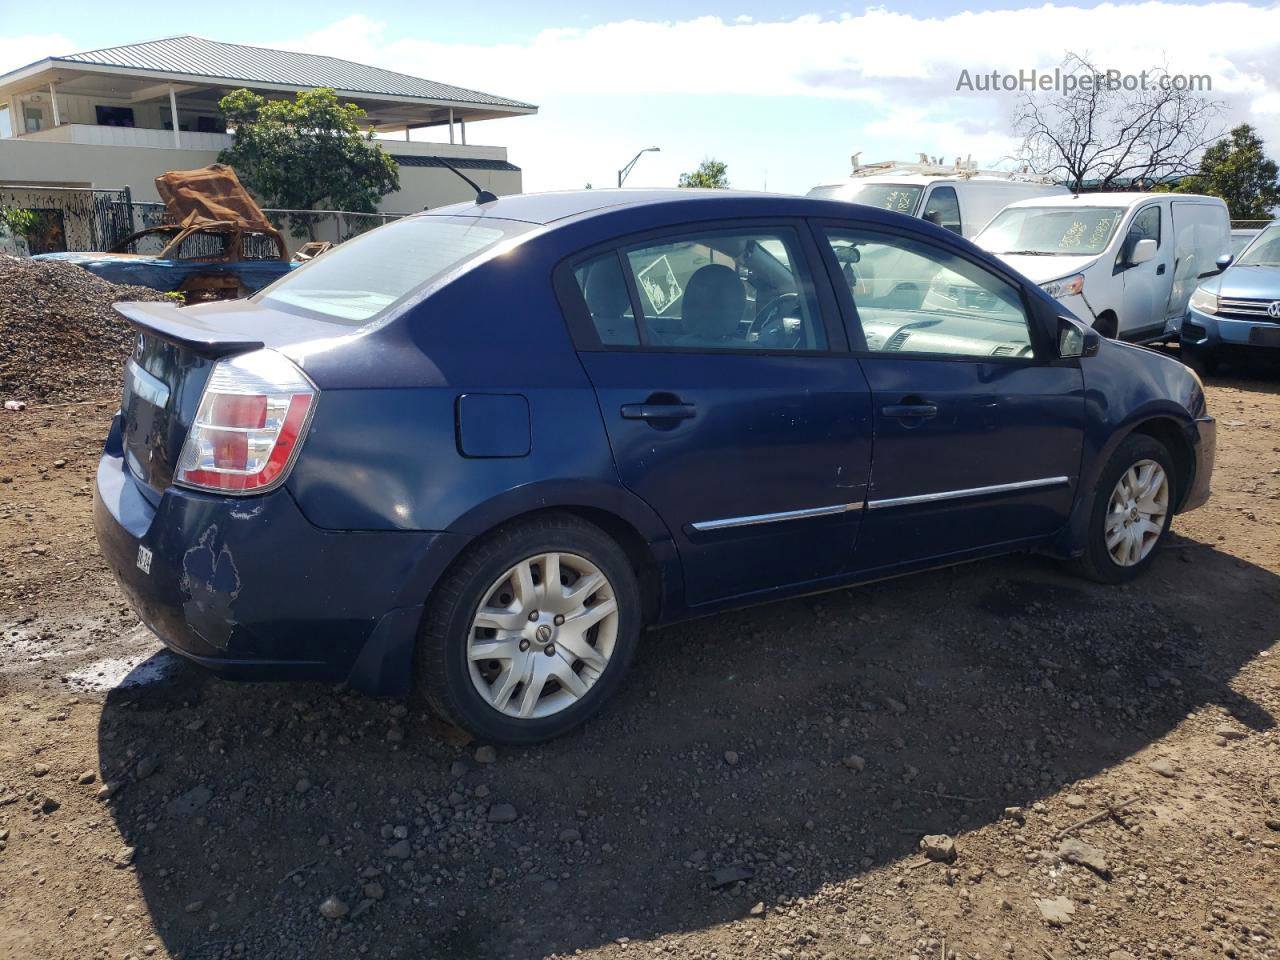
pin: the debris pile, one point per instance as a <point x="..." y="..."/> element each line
<point x="60" y="340"/>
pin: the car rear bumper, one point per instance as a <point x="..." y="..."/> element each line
<point x="248" y="588"/>
<point x="1206" y="332"/>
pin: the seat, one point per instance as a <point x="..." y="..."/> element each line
<point x="713" y="306"/>
<point x="607" y="299"/>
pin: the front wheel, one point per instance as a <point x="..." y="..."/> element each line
<point x="531" y="632"/>
<point x="1131" y="512"/>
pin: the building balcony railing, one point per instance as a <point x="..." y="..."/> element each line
<point x="86" y="133"/>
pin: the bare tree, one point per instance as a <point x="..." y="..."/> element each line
<point x="1117" y="130"/>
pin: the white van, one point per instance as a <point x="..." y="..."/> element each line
<point x="961" y="199"/>
<point x="1127" y="263"/>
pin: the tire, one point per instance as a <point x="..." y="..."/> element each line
<point x="1099" y="562"/>
<point x="1107" y="324"/>
<point x="1203" y="362"/>
<point x="483" y="696"/>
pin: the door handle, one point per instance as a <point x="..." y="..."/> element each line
<point x="1160" y="270"/>
<point x="657" y="411"/>
<point x="910" y="411"/>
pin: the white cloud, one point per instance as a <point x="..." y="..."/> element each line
<point x="896" y="72"/>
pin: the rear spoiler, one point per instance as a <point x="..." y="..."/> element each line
<point x="187" y="330"/>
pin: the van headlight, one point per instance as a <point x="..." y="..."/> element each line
<point x="1204" y="301"/>
<point x="1066" y="287"/>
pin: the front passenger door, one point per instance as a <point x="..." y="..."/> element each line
<point x="978" y="424"/>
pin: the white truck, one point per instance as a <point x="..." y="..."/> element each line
<point x="960" y="198"/>
<point x="1126" y="263"/>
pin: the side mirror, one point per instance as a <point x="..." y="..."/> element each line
<point x="1075" y="339"/>
<point x="1143" y="251"/>
<point x="849" y="254"/>
<point x="1224" y="261"/>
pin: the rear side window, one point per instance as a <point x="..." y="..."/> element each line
<point x="943" y="208"/>
<point x="360" y="279"/>
<point x="720" y="290"/>
<point x="604" y="288"/>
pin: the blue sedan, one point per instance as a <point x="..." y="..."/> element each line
<point x="474" y="453"/>
<point x="1238" y="311"/>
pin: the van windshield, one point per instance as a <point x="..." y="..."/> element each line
<point x="1265" y="249"/>
<point x="360" y="279"/>
<point x="898" y="197"/>
<point x="1050" y="231"/>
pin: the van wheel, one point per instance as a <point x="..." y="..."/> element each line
<point x="531" y="632"/>
<point x="1130" y="513"/>
<point x="1107" y="324"/>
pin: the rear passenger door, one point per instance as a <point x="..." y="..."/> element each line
<point x="731" y="401"/>
<point x="979" y="424"/>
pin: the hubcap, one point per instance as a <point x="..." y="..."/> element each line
<point x="542" y="635"/>
<point x="1136" y="512"/>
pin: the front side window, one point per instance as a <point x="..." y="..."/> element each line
<point x="1145" y="226"/>
<point x="916" y="298"/>
<point x="1050" y="231"/>
<point x="360" y="279"/>
<point x="720" y="290"/>
<point x="943" y="209"/>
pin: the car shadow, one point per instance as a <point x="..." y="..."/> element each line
<point x="795" y="746"/>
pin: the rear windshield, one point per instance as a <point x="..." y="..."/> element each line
<point x="358" y="280"/>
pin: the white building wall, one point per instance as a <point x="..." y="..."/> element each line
<point x="52" y="162"/>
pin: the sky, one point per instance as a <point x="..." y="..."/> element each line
<point x="782" y="93"/>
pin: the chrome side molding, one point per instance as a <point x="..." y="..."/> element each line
<point x="970" y="492"/>
<point x="707" y="525"/>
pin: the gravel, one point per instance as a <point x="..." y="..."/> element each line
<point x="60" y="339"/>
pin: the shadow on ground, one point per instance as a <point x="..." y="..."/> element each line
<point x="964" y="691"/>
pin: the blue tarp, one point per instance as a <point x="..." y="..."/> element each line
<point x="169" y="274"/>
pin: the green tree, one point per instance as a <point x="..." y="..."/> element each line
<point x="710" y="174"/>
<point x="306" y="153"/>
<point x="1236" y="169"/>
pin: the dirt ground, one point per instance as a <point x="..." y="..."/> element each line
<point x="1106" y="760"/>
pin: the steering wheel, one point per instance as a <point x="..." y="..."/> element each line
<point x="770" y="326"/>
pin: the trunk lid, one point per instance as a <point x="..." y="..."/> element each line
<point x="174" y="353"/>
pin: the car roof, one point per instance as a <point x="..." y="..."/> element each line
<point x="556" y="205"/>
<point x="1120" y="200"/>
<point x="921" y="179"/>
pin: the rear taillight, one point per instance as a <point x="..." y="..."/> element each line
<point x="249" y="425"/>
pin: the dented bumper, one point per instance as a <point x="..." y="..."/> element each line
<point x="249" y="588"/>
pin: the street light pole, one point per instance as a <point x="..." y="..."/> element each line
<point x="626" y="171"/>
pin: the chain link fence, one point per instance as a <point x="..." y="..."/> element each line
<point x="90" y="219"/>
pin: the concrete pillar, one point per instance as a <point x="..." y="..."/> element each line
<point x="451" y="124"/>
<point x="173" y="113"/>
<point x="462" y="128"/>
<point x="53" y="96"/>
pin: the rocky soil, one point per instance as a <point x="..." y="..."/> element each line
<point x="59" y="337"/>
<point x="992" y="761"/>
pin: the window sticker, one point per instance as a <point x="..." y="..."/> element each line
<point x="660" y="285"/>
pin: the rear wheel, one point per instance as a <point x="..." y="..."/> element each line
<point x="1131" y="512"/>
<point x="531" y="632"/>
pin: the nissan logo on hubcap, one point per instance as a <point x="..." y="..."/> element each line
<point x="1273" y="310"/>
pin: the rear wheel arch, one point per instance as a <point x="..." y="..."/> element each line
<point x="649" y="570"/>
